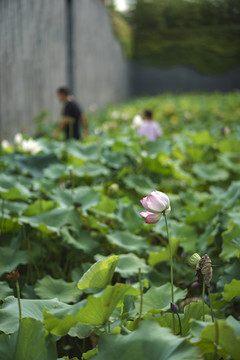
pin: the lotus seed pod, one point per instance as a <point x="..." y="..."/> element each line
<point x="204" y="270"/>
<point x="194" y="259"/>
<point x="113" y="189"/>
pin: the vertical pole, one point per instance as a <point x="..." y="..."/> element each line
<point x="69" y="45"/>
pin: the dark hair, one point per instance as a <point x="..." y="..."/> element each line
<point x="63" y="90"/>
<point x="148" y="114"/>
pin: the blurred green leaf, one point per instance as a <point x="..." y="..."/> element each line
<point x="129" y="264"/>
<point x="10" y="258"/>
<point x="48" y="288"/>
<point x="21" y="346"/>
<point x="158" y="299"/>
<point x="231" y="290"/>
<point x="99" y="275"/>
<point x="127" y="241"/>
<point x="31" y="308"/>
<point x="149" y="342"/>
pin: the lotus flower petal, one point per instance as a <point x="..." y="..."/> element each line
<point x="151" y="218"/>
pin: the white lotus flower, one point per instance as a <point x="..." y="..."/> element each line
<point x="137" y="121"/>
<point x="18" y="138"/>
<point x="5" y="144"/>
<point x="31" y="146"/>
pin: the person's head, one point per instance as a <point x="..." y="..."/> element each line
<point x="63" y="93"/>
<point x="147" y="115"/>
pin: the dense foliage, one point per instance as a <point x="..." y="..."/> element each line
<point x="202" y="34"/>
<point x="74" y="204"/>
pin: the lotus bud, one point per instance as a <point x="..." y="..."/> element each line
<point x="194" y="259"/>
<point x="174" y="308"/>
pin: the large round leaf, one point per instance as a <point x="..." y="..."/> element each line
<point x="9" y="316"/>
<point x="30" y="342"/>
<point x="149" y="342"/>
<point x="48" y="288"/>
<point x="99" y="275"/>
<point x="129" y="265"/>
<point x="10" y="258"/>
<point x="158" y="299"/>
<point x="127" y="241"/>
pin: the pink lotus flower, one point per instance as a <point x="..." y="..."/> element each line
<point x="156" y="204"/>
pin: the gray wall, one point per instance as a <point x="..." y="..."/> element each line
<point x="33" y="59"/>
<point x="151" y="81"/>
<point x="101" y="70"/>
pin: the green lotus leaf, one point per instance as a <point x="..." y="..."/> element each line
<point x="229" y="145"/>
<point x="10" y="258"/>
<point x="34" y="164"/>
<point x="21" y="346"/>
<point x="149" y="342"/>
<point x="186" y="234"/>
<point x="38" y="207"/>
<point x="97" y="311"/>
<point x="53" y="220"/>
<point x="158" y="299"/>
<point x="203" y="214"/>
<point x="113" y="159"/>
<point x="130" y="217"/>
<point x="81" y="241"/>
<point x="83" y="151"/>
<point x="228" y="247"/>
<point x="56" y="171"/>
<point x="228" y="337"/>
<point x="9" y="315"/>
<point x="99" y="275"/>
<point x="210" y="172"/>
<point x="48" y="288"/>
<point x="5" y="290"/>
<point x="129" y="264"/>
<point x="231" y="290"/>
<point x="127" y="241"/>
<point x="13" y="207"/>
<point x="91" y="170"/>
<point x="163" y="255"/>
<point x="139" y="183"/>
<point x="192" y="311"/>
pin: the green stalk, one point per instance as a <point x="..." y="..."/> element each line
<point x="2" y="219"/>
<point x="141" y="295"/>
<point x="203" y="299"/>
<point x="210" y="303"/>
<point x="180" y="324"/>
<point x="171" y="262"/>
<point x="19" y="303"/>
<point x="216" y="340"/>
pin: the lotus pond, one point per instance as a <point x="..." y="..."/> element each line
<point x="83" y="276"/>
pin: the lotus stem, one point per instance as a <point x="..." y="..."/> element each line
<point x="171" y="262"/>
<point x="19" y="302"/>
<point x="216" y="340"/>
<point x="203" y="300"/>
<point x="180" y="324"/>
<point x="141" y="295"/>
<point x="210" y="303"/>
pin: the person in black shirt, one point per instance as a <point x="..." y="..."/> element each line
<point x="72" y="116"/>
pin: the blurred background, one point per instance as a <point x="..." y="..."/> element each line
<point x="108" y="51"/>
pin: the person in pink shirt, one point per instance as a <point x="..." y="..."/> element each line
<point x="149" y="128"/>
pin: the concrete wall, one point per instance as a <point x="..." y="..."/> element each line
<point x="101" y="70"/>
<point x="152" y="81"/>
<point x="34" y="58"/>
<point x="32" y="61"/>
